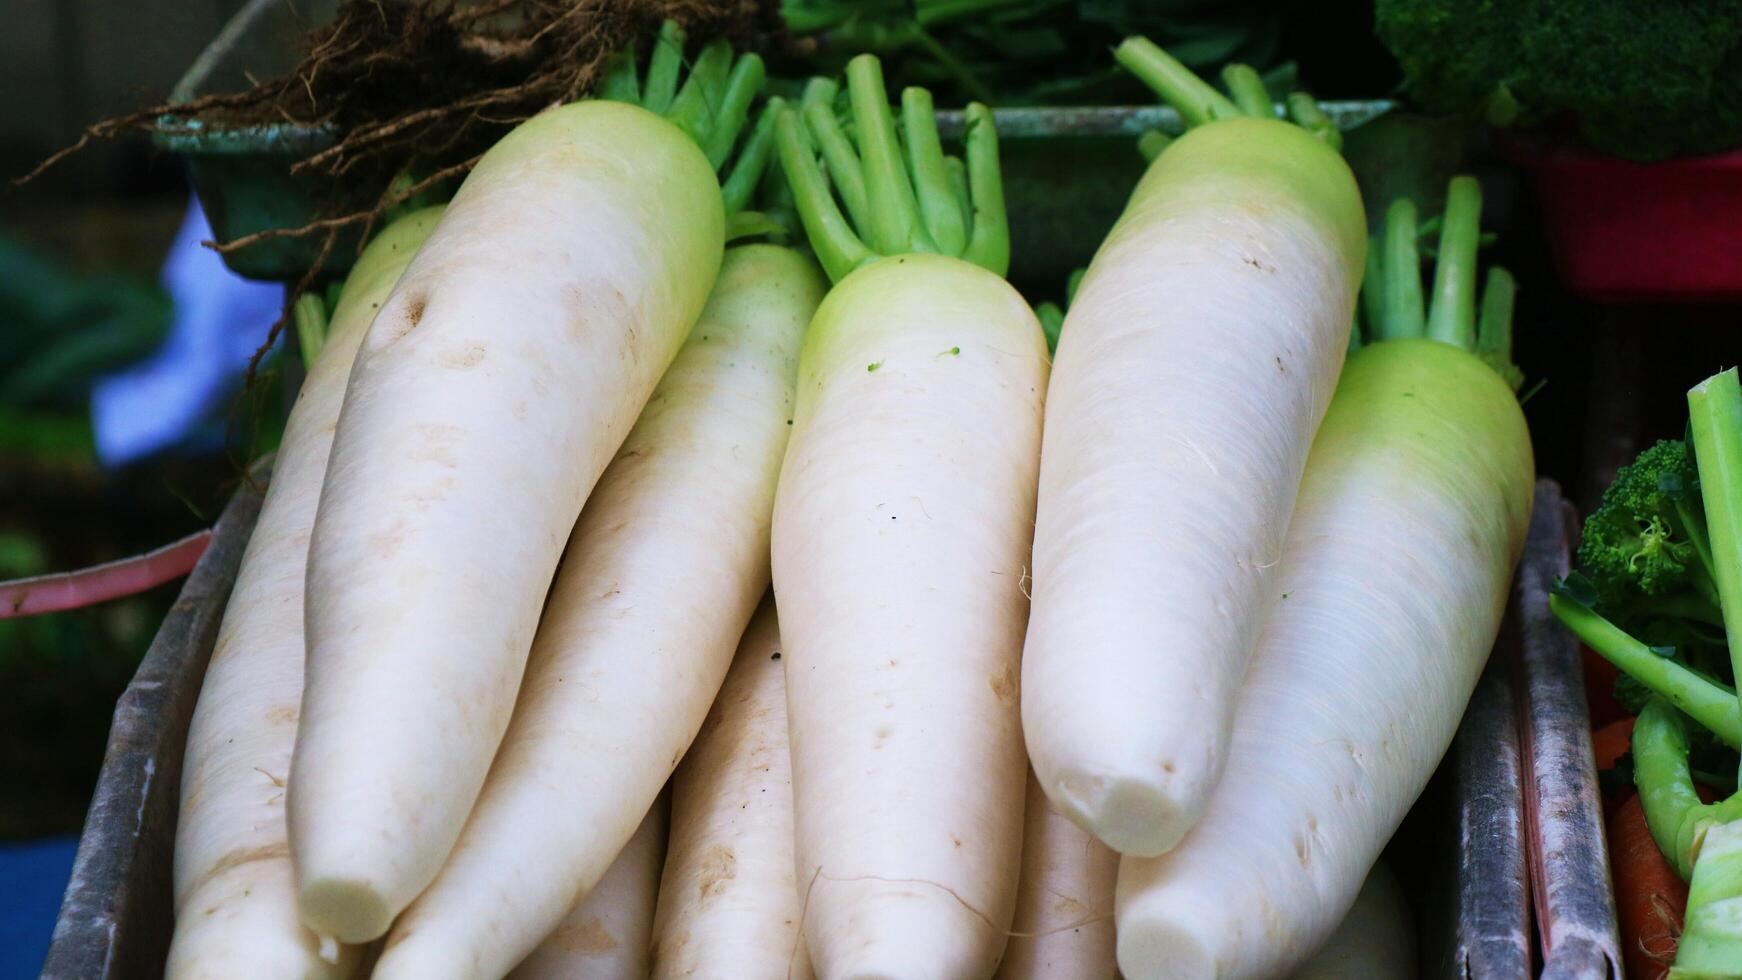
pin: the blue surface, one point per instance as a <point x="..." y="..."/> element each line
<point x="33" y="876"/>
<point x="220" y="320"/>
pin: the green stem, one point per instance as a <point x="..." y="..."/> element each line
<point x="697" y="104"/>
<point x="895" y="225"/>
<point x="1074" y="280"/>
<point x="1705" y="576"/>
<point x="1152" y="143"/>
<point x="1052" y="320"/>
<point x="1305" y="111"/>
<point x="1401" y="291"/>
<point x="621" y="82"/>
<point x="1248" y="91"/>
<point x="838" y="249"/>
<point x="752" y="161"/>
<point x="1193" y="98"/>
<point x="1666" y="786"/>
<point x="1715" y="418"/>
<point x="662" y="69"/>
<point x="839" y="156"/>
<point x="938" y="204"/>
<point x="959" y="189"/>
<point x="310" y="316"/>
<point x="1373" y="287"/>
<point x="1452" y="318"/>
<point x="989" y="242"/>
<point x="1705" y="701"/>
<point x="963" y="201"/>
<point x="742" y="85"/>
<point x="1494" y="326"/>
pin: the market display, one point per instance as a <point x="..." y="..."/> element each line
<point x="692" y="552"/>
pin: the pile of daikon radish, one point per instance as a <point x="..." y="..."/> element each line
<point x="502" y="688"/>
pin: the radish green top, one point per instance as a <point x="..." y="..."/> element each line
<point x="1392" y="300"/>
<point x="901" y="193"/>
<point x="711" y="105"/>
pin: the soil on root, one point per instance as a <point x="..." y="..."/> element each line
<point x="423" y="87"/>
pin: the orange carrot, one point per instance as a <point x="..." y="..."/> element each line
<point x="1610" y="742"/>
<point x="1650" y="896"/>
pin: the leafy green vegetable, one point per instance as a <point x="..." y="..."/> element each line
<point x="1029" y="52"/>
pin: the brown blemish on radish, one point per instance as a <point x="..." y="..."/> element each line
<point x="588" y="936"/>
<point x="281" y="715"/>
<point x="406" y="322"/>
<point x="463" y="358"/>
<point x="1004" y="685"/>
<point x="719" y="866"/>
<point x="237" y="858"/>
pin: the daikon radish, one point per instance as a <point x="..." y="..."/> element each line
<point x="728" y="901"/>
<point x="608" y="935"/>
<point x="1387" y="602"/>
<point x="491" y="391"/>
<point x="1064" y="909"/>
<point x="901" y="539"/>
<point x="1376" y="940"/>
<point x="664" y="569"/>
<point x="1198" y="356"/>
<point x="235" y="900"/>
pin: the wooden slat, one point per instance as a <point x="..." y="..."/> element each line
<point x="1574" y="899"/>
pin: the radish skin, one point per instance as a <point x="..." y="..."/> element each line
<point x="1390" y="593"/>
<point x="900" y="544"/>
<point x="491" y="391"/>
<point x="1194" y="365"/>
<point x="235" y="899"/>
<point x="664" y="570"/>
<point x="1064" y="905"/>
<point x="1376" y="940"/>
<point x="728" y="900"/>
<point x="608" y="934"/>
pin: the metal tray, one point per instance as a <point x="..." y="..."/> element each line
<point x="1466" y="849"/>
<point x="1067" y="171"/>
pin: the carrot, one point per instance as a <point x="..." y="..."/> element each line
<point x="1610" y="743"/>
<point x="1649" y="896"/>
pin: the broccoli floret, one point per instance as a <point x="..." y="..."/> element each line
<point x="1643" y="81"/>
<point x="1643" y="545"/>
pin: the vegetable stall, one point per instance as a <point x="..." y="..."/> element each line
<point x="724" y="527"/>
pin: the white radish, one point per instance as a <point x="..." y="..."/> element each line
<point x="1388" y="599"/>
<point x="235" y="899"/>
<point x="728" y="900"/>
<point x="1376" y="940"/>
<point x="608" y="935"/>
<point x="490" y="393"/>
<point x="901" y="541"/>
<point x="1198" y="356"/>
<point x="1064" y="907"/>
<point x="664" y="569"/>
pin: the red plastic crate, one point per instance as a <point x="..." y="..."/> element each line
<point x="1624" y="231"/>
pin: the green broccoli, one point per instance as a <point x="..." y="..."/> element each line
<point x="1643" y="81"/>
<point x="1645" y="545"/>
